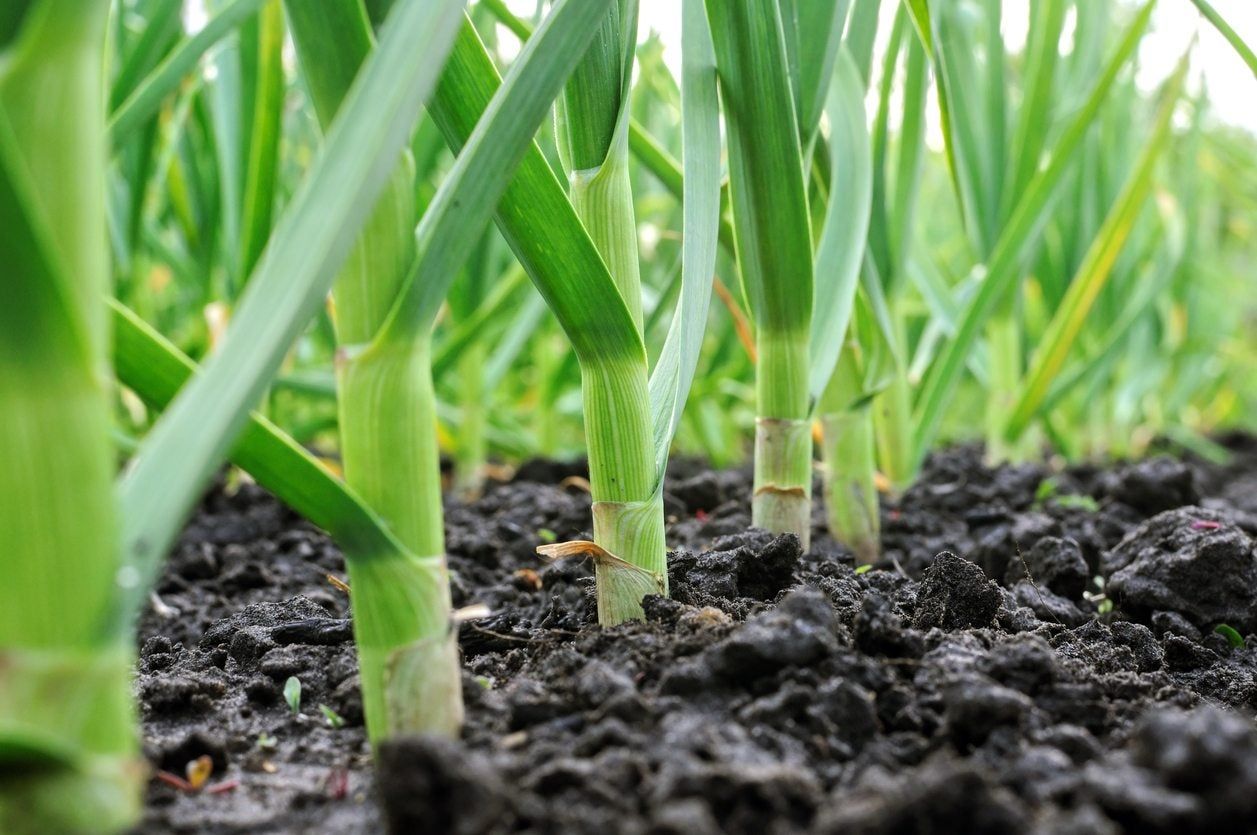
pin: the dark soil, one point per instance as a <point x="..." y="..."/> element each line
<point x="1036" y="653"/>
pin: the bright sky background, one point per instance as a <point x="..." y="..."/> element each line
<point x="1231" y="86"/>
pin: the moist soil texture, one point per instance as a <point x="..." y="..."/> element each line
<point x="1037" y="651"/>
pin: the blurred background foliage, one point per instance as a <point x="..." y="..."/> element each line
<point x="1167" y="350"/>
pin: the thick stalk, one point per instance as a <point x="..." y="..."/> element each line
<point x="411" y="681"/>
<point x="1003" y="338"/>
<point x="768" y="194"/>
<point x="850" y="489"/>
<point x="892" y="416"/>
<point x="407" y="651"/>
<point x="627" y="509"/>
<point x="69" y="757"/>
<point x="603" y="200"/>
<point x="782" y="501"/>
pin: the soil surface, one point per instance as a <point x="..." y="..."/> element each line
<point x="1035" y="653"/>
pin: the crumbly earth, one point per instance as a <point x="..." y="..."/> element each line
<point x="1035" y="653"/>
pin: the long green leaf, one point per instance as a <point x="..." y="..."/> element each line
<point x="1151" y="283"/>
<point x="972" y="127"/>
<point x="1233" y="38"/>
<point x="765" y="165"/>
<point x="144" y="102"/>
<point x="1097" y="266"/>
<point x="537" y="220"/>
<point x="156" y="370"/>
<point x="162" y="24"/>
<point x="1033" y="118"/>
<point x="673" y="374"/>
<point x="591" y="120"/>
<point x="650" y="152"/>
<point x="1015" y="240"/>
<point x="841" y="248"/>
<point x="483" y="171"/>
<point x="500" y="304"/>
<point x="860" y="35"/>
<point x="291" y="280"/>
<point x="263" y="149"/>
<point x="813" y="30"/>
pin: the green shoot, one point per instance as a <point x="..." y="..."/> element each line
<point x="292" y="694"/>
<point x="334" y="719"/>
<point x="1233" y="637"/>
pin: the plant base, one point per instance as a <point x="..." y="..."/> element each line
<point x="407" y="646"/>
<point x="783" y="478"/>
<point x="851" y="506"/>
<point x="632" y="532"/>
<point x="68" y="755"/>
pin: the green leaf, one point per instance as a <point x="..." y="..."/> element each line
<point x="514" y="340"/>
<point x="1096" y="267"/>
<point x="1152" y="282"/>
<point x="673" y="374"/>
<point x="843" y="236"/>
<point x="502" y="136"/>
<point x="592" y="121"/>
<point x="592" y="114"/>
<point x="813" y="30"/>
<point x="263" y="147"/>
<point x="334" y="719"/>
<point x="291" y="280"/>
<point x="971" y="105"/>
<point x="896" y="185"/>
<point x="537" y="220"/>
<point x="500" y="304"/>
<point x="1237" y="43"/>
<point x="1233" y="637"/>
<point x="860" y="35"/>
<point x="650" y="152"/>
<point x="163" y="23"/>
<point x="1018" y="235"/>
<point x="765" y="165"/>
<point x="146" y="363"/>
<point x="144" y="102"/>
<point x="1035" y="113"/>
<point x="769" y="200"/>
<point x="292" y="694"/>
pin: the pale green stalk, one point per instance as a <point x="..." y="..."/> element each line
<point x="774" y="250"/>
<point x="847" y="454"/>
<point x="850" y="486"/>
<point x="896" y="184"/>
<point x="69" y="759"/>
<point x="385" y="395"/>
<point x="549" y="240"/>
<point x="1005" y="363"/>
<point x="593" y="141"/>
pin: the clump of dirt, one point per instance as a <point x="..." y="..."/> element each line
<point x="1195" y="562"/>
<point x="1034" y="653"/>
